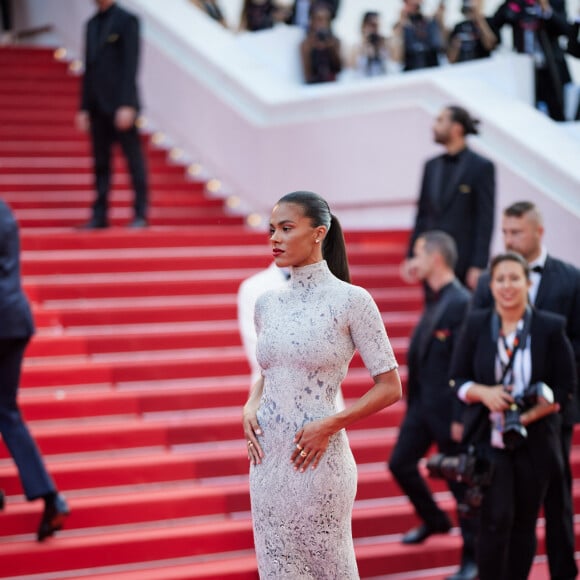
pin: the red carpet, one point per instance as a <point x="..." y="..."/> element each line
<point x="134" y="383"/>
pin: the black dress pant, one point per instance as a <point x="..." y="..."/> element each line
<point x="507" y="529"/>
<point x="6" y="14"/>
<point x="559" y="515"/>
<point x="547" y="93"/>
<point x="104" y="134"/>
<point x="35" y="479"/>
<point x="421" y="428"/>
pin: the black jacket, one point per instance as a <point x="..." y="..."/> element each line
<point x="474" y="360"/>
<point x="111" y="61"/>
<point x="574" y="40"/>
<point x="558" y="292"/>
<point x="574" y="49"/>
<point x="463" y="207"/>
<point x="15" y="316"/>
<point x="430" y="351"/>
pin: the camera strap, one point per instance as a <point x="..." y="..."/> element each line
<point x="519" y="340"/>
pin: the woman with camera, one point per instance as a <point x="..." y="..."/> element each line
<point x="320" y="49"/>
<point x="514" y="368"/>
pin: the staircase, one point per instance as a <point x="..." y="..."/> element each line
<point x="134" y="382"/>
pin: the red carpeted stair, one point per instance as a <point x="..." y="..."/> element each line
<point x="134" y="383"/>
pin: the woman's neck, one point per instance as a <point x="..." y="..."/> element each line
<point x="510" y="317"/>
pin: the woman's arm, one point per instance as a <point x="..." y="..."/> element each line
<point x="314" y="437"/>
<point x="250" y="422"/>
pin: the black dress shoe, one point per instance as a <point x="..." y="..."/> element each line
<point x="138" y="223"/>
<point x="467" y="571"/>
<point x="422" y="532"/>
<point x="55" y="512"/>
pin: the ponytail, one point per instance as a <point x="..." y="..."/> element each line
<point x="334" y="250"/>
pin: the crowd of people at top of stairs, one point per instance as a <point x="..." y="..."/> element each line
<point x="539" y="28"/>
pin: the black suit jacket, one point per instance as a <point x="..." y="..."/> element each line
<point x="430" y="352"/>
<point x="573" y="40"/>
<point x="474" y="360"/>
<point x="464" y="207"/>
<point x="558" y="292"/>
<point x="574" y="49"/>
<point x="111" y="61"/>
<point x="15" y="316"/>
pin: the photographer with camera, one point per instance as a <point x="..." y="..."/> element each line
<point x="417" y="39"/>
<point x="369" y="57"/>
<point x="320" y="50"/>
<point x="471" y="38"/>
<point x="432" y="407"/>
<point x="514" y="367"/>
<point x="537" y="26"/>
<point x="555" y="287"/>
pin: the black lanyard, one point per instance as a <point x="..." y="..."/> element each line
<point x="519" y="340"/>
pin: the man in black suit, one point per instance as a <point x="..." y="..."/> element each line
<point x="457" y="196"/>
<point x="110" y="104"/>
<point x="536" y="29"/>
<point x="16" y="328"/>
<point x="555" y="288"/>
<point x="432" y="407"/>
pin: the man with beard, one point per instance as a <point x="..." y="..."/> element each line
<point x="457" y="197"/>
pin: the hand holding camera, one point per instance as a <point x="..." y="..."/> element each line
<point x="496" y="398"/>
<point x="535" y="402"/>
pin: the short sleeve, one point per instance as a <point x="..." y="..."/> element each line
<point x="369" y="335"/>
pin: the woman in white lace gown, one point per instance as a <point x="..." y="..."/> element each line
<point x="302" y="473"/>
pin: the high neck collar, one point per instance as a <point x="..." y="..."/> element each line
<point x="310" y="276"/>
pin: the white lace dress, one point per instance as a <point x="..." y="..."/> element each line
<point x="307" y="335"/>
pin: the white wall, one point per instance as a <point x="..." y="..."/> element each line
<point x="233" y="107"/>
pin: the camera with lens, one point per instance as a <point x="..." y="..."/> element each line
<point x="470" y="468"/>
<point x="514" y="433"/>
<point x="374" y="39"/>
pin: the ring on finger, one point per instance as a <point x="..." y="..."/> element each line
<point x="250" y="444"/>
<point x="303" y="453"/>
<point x="299" y="447"/>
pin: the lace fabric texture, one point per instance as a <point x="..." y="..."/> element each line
<point x="307" y="335"/>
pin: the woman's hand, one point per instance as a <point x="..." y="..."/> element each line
<point x="251" y="431"/>
<point x="311" y="443"/>
<point x="496" y="399"/>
